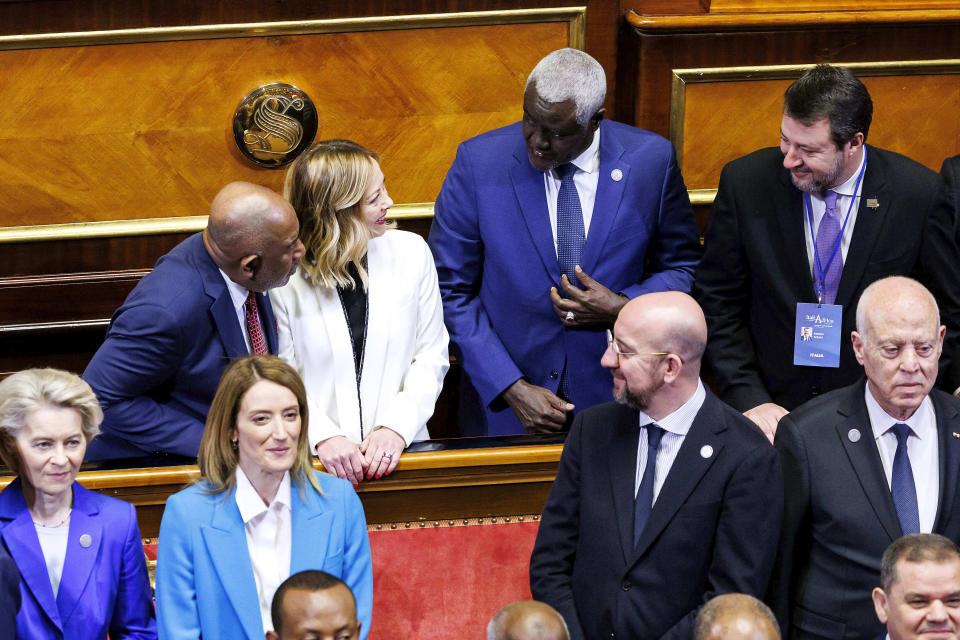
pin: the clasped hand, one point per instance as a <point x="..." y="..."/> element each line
<point x="593" y="304"/>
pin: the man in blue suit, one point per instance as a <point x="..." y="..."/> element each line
<point x="203" y="304"/>
<point x="542" y="232"/>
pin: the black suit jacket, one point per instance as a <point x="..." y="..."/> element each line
<point x="950" y="172"/>
<point x="755" y="270"/>
<point x="9" y="595"/>
<point x="712" y="530"/>
<point x="839" y="515"/>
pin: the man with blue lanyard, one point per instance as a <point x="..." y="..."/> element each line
<point x="797" y="233"/>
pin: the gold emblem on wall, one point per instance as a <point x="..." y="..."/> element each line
<point x="274" y="124"/>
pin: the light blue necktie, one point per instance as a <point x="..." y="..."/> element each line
<point x="570" y="230"/>
<point x="902" y="486"/>
<point x="827" y="235"/>
<point x="644" y="500"/>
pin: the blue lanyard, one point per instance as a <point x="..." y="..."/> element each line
<point x="821" y="272"/>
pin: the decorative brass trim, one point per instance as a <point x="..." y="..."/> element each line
<point x="453" y="522"/>
<point x="682" y="77"/>
<point x="791" y="20"/>
<point x="702" y="196"/>
<point x="576" y="16"/>
<point x="155" y="226"/>
<point x="47" y="327"/>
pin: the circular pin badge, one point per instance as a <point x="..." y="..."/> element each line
<point x="86" y="540"/>
<point x="706" y="451"/>
<point x="274" y="124"/>
<point x="617" y="175"/>
<point x="854" y="435"/>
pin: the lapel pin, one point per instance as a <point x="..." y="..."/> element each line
<point x="854" y="435"/>
<point x="956" y="435"/>
<point x="873" y="203"/>
<point x="706" y="451"/>
<point x="85" y="540"/>
<point x="617" y="175"/>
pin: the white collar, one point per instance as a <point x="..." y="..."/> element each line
<point x="881" y="421"/>
<point x="249" y="501"/>
<point x="680" y="421"/>
<point x="589" y="160"/>
<point x="238" y="294"/>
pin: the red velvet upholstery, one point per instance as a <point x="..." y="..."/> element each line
<point x="443" y="582"/>
<point x="447" y="582"/>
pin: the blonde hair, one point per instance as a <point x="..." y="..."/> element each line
<point x="32" y="389"/>
<point x="217" y="458"/>
<point x="326" y="186"/>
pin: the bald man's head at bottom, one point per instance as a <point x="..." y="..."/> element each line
<point x="527" y="620"/>
<point x="736" y="616"/>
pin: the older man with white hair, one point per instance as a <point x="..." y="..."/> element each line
<point x="542" y="232"/>
<point x="864" y="465"/>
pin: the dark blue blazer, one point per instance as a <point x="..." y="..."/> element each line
<point x="9" y="595"/>
<point x="104" y="587"/>
<point x="496" y="260"/>
<point x="839" y="515"/>
<point x="167" y="346"/>
<point x="713" y="528"/>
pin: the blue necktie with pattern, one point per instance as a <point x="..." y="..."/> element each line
<point x="570" y="230"/>
<point x="902" y="486"/>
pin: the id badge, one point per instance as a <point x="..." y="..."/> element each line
<point x="817" y="338"/>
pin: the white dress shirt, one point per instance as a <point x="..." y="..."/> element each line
<point x="586" y="177"/>
<point x="238" y="296"/>
<point x="269" y="538"/>
<point x="845" y="193"/>
<point x="922" y="447"/>
<point x="675" y="428"/>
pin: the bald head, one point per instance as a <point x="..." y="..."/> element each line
<point x="736" y="616"/>
<point x="671" y="320"/>
<point x="527" y="620"/>
<point x="252" y="235"/>
<point x="888" y="295"/>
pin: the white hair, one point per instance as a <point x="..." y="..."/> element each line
<point x="571" y="74"/>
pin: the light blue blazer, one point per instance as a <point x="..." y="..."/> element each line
<point x="104" y="587"/>
<point x="205" y="584"/>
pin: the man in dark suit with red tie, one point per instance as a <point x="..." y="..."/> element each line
<point x="203" y="304"/>
<point x="664" y="499"/>
<point x="863" y="465"/>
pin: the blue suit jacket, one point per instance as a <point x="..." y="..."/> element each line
<point x="9" y="595"/>
<point x="496" y="260"/>
<point x="104" y="587"/>
<point x="164" y="353"/>
<point x="712" y="530"/>
<point x="205" y="582"/>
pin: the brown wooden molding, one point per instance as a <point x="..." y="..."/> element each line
<point x="785" y="20"/>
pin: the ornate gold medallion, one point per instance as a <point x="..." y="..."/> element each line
<point x="274" y="124"/>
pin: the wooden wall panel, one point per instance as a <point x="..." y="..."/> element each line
<point x="916" y="115"/>
<point x="144" y="130"/>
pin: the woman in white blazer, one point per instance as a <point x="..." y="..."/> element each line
<point x="361" y="320"/>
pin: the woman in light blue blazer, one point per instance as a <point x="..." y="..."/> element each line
<point x="82" y="568"/>
<point x="259" y="514"/>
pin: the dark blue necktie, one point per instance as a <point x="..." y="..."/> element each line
<point x="644" y="501"/>
<point x="570" y="231"/>
<point x="902" y="487"/>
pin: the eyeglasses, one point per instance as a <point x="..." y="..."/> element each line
<point x="623" y="354"/>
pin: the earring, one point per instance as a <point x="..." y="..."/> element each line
<point x="234" y="444"/>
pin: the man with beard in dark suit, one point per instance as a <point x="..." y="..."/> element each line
<point x="664" y="498"/>
<point x="813" y="223"/>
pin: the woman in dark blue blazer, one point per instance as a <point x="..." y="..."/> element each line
<point x="216" y="570"/>
<point x="83" y="572"/>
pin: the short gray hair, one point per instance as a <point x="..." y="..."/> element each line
<point x="571" y="74"/>
<point x="31" y="389"/>
<point x="878" y="287"/>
